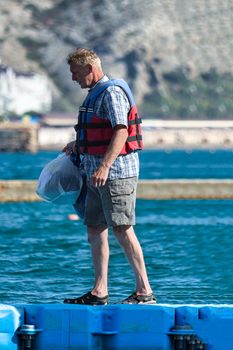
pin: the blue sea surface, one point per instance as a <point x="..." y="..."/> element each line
<point x="155" y="164"/>
<point x="187" y="244"/>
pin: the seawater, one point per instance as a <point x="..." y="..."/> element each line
<point x="187" y="244"/>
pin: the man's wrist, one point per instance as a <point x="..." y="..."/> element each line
<point x="105" y="165"/>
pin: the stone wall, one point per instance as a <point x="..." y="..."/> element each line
<point x="18" y="137"/>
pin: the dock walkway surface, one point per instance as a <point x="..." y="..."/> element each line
<point x="25" y="190"/>
<point x="116" y="327"/>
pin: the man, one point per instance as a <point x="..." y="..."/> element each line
<point x="108" y="137"/>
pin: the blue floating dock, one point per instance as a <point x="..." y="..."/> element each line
<point x="116" y="327"/>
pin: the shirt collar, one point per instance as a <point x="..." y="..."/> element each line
<point x="102" y="80"/>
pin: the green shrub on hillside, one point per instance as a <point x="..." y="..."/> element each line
<point x="207" y="97"/>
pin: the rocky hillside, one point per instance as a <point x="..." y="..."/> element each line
<point x="164" y="48"/>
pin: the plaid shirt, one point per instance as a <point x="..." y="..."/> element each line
<point x="113" y="104"/>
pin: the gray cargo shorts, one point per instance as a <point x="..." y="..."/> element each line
<point x="112" y="204"/>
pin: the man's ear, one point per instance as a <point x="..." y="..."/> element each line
<point x="89" y="68"/>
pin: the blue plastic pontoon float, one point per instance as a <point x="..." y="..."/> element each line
<point x="116" y="327"/>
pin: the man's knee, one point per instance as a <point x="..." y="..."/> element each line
<point x="121" y="231"/>
<point x="95" y="232"/>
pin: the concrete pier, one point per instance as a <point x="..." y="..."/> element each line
<point x="18" y="191"/>
<point x="18" y="137"/>
<point x="24" y="190"/>
<point x="185" y="189"/>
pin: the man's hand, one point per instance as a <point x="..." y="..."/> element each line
<point x="100" y="176"/>
<point x="70" y="148"/>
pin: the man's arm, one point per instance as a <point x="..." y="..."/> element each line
<point x="116" y="106"/>
<point x="118" y="140"/>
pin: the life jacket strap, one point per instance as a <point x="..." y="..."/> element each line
<point x="101" y="125"/>
<point x="134" y="138"/>
<point x="135" y="121"/>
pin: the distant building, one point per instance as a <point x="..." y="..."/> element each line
<point x="59" y="119"/>
<point x="22" y="92"/>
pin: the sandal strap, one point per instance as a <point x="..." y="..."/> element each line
<point x="145" y="298"/>
<point x="139" y="299"/>
<point x="88" y="299"/>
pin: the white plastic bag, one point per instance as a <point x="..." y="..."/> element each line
<point x="60" y="181"/>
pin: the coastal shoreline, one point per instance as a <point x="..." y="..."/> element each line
<point x="157" y="134"/>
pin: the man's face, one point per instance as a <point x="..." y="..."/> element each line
<point x="81" y="74"/>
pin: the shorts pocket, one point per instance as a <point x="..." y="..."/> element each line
<point x="121" y="194"/>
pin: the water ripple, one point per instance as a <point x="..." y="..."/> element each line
<point x="187" y="244"/>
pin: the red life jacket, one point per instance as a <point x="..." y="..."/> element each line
<point x="94" y="133"/>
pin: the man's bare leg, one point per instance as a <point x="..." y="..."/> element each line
<point x="98" y="239"/>
<point x="128" y="240"/>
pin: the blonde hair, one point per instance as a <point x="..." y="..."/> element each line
<point x="82" y="57"/>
